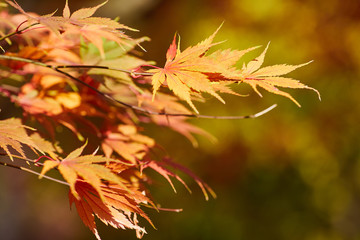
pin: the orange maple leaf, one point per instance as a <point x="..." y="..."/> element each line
<point x="162" y="167"/>
<point x="34" y="101"/>
<point x="83" y="17"/>
<point x="13" y="134"/>
<point x="186" y="72"/>
<point x="117" y="208"/>
<point x="127" y="142"/>
<point x="269" y="78"/>
<point x="191" y="72"/>
<point x="94" y="29"/>
<point x="97" y="190"/>
<point x="48" y="20"/>
<point x="90" y="168"/>
<point x="166" y="173"/>
<point x="81" y="22"/>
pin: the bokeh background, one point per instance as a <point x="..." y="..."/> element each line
<point x="293" y="173"/>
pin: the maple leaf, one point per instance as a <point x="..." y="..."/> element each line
<point x="90" y="168"/>
<point x="46" y="146"/>
<point x="83" y="17"/>
<point x="118" y="207"/>
<point x="97" y="190"/>
<point x="191" y="72"/>
<point x="13" y="134"/>
<point x="126" y="142"/>
<point x="206" y="189"/>
<point x="94" y="29"/>
<point x="166" y="173"/>
<point x="185" y="72"/>
<point x="48" y="20"/>
<point x="162" y="167"/>
<point x="35" y="102"/>
<point x="269" y="78"/>
<point x="81" y="22"/>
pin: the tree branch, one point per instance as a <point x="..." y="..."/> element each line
<point x="105" y="67"/>
<point x="33" y="172"/>
<point x="17" y="31"/>
<point x="133" y="107"/>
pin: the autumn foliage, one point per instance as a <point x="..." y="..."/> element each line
<point x="83" y="73"/>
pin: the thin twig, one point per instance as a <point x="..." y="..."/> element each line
<point x="13" y="58"/>
<point x="157" y="208"/>
<point x="33" y="172"/>
<point x="107" y="68"/>
<point x="17" y="31"/>
<point x="136" y="108"/>
<point x="20" y="157"/>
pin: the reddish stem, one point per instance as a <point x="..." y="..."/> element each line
<point x="31" y="29"/>
<point x="133" y="71"/>
<point x="37" y="160"/>
<point x="17" y="29"/>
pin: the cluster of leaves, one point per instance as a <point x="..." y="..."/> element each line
<point x="83" y="73"/>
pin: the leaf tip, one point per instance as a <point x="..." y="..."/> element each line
<point x="296" y="102"/>
<point x="153" y="95"/>
<point x="172" y="51"/>
<point x="267" y="46"/>
<point x="66" y="11"/>
<point x="318" y="93"/>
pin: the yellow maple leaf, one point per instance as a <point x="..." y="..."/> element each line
<point x="69" y="100"/>
<point x="126" y="142"/>
<point x="98" y="191"/>
<point x="269" y="78"/>
<point x="81" y="22"/>
<point x="185" y="72"/>
<point x="13" y="134"/>
<point x="191" y="72"/>
<point x="89" y="168"/>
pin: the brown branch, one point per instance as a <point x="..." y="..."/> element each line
<point x="107" y="68"/>
<point x="133" y="107"/>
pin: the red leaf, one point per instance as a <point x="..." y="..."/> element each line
<point x="118" y="208"/>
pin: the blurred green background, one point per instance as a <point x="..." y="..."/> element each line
<point x="293" y="173"/>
